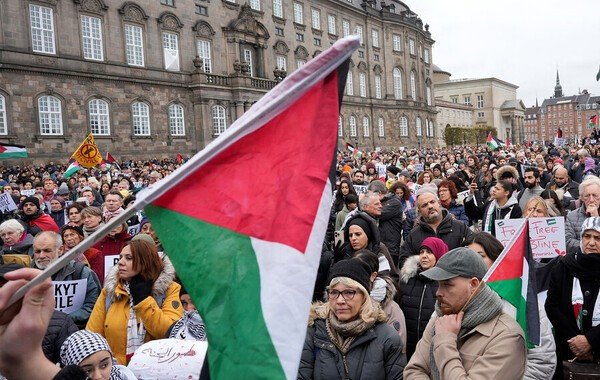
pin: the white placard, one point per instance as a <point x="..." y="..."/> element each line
<point x="69" y="295"/>
<point x="419" y="167"/>
<point x="169" y="359"/>
<point x="133" y="230"/>
<point x="547" y="237"/>
<point x="506" y="229"/>
<point x="360" y="189"/>
<point x="460" y="197"/>
<point x="7" y="204"/>
<point x="28" y="193"/>
<point x="109" y="262"/>
<point x="381" y="170"/>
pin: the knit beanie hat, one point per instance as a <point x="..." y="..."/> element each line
<point x="353" y="269"/>
<point x="78" y="230"/>
<point x="63" y="189"/>
<point x="80" y="345"/>
<point x="393" y="169"/>
<point x="436" y="245"/>
<point x="59" y="199"/>
<point x="364" y="225"/>
<point x="31" y="199"/>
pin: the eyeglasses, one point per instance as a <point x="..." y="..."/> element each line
<point x="347" y="294"/>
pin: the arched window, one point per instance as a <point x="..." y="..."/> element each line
<point x="381" y="127"/>
<point x="141" y="119"/>
<point x="219" y="120"/>
<point x="99" y="117"/>
<point x="50" y="115"/>
<point x="413" y="85"/>
<point x="3" y="116"/>
<point x="340" y="126"/>
<point x="352" y="126"/>
<point x="378" y="86"/>
<point x="403" y="126"/>
<point x="397" y="74"/>
<point x="176" y="120"/>
<point x="419" y="127"/>
<point x="366" y="127"/>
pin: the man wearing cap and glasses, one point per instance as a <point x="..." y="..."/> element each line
<point x="468" y="336"/>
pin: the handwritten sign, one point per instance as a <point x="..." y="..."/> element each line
<point x="419" y="167"/>
<point x="169" y="359"/>
<point x="506" y="229"/>
<point x="109" y="262"/>
<point x="547" y="237"/>
<point x="7" y="204"/>
<point x="28" y="193"/>
<point x="69" y="295"/>
<point x="360" y="189"/>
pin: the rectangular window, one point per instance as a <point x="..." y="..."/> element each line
<point x="203" y="50"/>
<point x="480" y="114"/>
<point x="362" y="84"/>
<point x="279" y="31"/>
<point x="300" y="37"/>
<point x="361" y="54"/>
<point x="376" y="57"/>
<point x="375" y="35"/>
<point x="479" y="101"/>
<point x="331" y="27"/>
<point x="317" y="41"/>
<point x="281" y="62"/>
<point x="467" y="100"/>
<point x="349" y="84"/>
<point x="91" y="32"/>
<point x="378" y="86"/>
<point x="300" y="63"/>
<point x="42" y="29"/>
<point x="426" y="56"/>
<point x="298" y="13"/>
<point x="134" y="45"/>
<point x="359" y="32"/>
<point x="255" y="4"/>
<point x="168" y="2"/>
<point x="176" y="120"/>
<point x="99" y="117"/>
<point x="381" y="127"/>
<point x="171" y="51"/>
<point x="277" y="8"/>
<point x="50" y="115"/>
<point x="316" y="19"/>
<point x="345" y="28"/>
<point x="3" y="117"/>
<point x="454" y="99"/>
<point x="201" y="10"/>
<point x="248" y="59"/>
<point x="411" y="46"/>
<point x="397" y="42"/>
<point x="141" y="119"/>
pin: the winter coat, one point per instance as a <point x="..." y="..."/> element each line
<point x="108" y="245"/>
<point x="340" y="217"/>
<point x="490" y="211"/>
<point x="526" y="194"/>
<point x="451" y="231"/>
<point x="395" y="316"/>
<point x="559" y="306"/>
<point x="492" y="350"/>
<point x="390" y="225"/>
<point x="157" y="319"/>
<point x="459" y="212"/>
<point x="60" y="217"/>
<point x="40" y="222"/>
<point x="571" y="192"/>
<point x="573" y="223"/>
<point x="59" y="329"/>
<point x="418" y="301"/>
<point x="78" y="271"/>
<point x="376" y="354"/>
<point x="23" y="247"/>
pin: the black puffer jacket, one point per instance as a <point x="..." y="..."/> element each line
<point x="450" y="230"/>
<point x="418" y="301"/>
<point x="376" y="354"/>
<point x="390" y="225"/>
<point x="59" y="329"/>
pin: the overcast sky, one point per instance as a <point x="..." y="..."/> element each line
<point x="519" y="41"/>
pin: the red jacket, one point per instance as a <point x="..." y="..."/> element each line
<point x="45" y="223"/>
<point x="107" y="246"/>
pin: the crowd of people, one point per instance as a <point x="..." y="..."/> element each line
<point x="399" y="290"/>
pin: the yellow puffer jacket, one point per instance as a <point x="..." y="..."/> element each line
<point x="112" y="324"/>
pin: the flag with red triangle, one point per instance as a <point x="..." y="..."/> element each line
<point x="250" y="253"/>
<point x="179" y="158"/>
<point x="512" y="276"/>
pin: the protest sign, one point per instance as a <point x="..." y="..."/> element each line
<point x="109" y="262"/>
<point x="419" y="167"/>
<point x="169" y="359"/>
<point x="28" y="192"/>
<point x="381" y="170"/>
<point x="547" y="237"/>
<point x="7" y="204"/>
<point x="360" y="189"/>
<point x="69" y="295"/>
<point x="506" y="229"/>
<point x="460" y="197"/>
<point x="133" y="230"/>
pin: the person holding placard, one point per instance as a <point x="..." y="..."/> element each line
<point x="502" y="205"/>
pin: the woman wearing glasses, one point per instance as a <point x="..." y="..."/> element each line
<point x="589" y="195"/>
<point x="347" y="335"/>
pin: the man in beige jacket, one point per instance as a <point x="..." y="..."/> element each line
<point x="468" y="337"/>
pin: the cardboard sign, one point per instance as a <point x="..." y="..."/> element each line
<point x="360" y="189"/>
<point x="419" y="167"/>
<point x="7" y="204"/>
<point x="547" y="237"/>
<point x="109" y="262"/>
<point x="69" y="295"/>
<point x="506" y="229"/>
<point x="28" y="193"/>
<point x="169" y="359"/>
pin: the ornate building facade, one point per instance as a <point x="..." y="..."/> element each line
<point x="153" y="78"/>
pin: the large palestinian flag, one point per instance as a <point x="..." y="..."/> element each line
<point x="12" y="151"/>
<point x="243" y="221"/>
<point x="512" y="276"/>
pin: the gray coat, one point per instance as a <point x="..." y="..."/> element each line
<point x="573" y="223"/>
<point x="376" y="354"/>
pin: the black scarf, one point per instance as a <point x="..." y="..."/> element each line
<point x="582" y="266"/>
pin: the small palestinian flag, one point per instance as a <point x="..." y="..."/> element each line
<point x="593" y="121"/>
<point x="492" y="142"/>
<point x="12" y="151"/>
<point x="72" y="169"/>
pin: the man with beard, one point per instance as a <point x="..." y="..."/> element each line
<point x="35" y="219"/>
<point x="469" y="335"/>
<point x="570" y="188"/>
<point x="434" y="221"/>
<point x="358" y="178"/>
<point x="531" y="181"/>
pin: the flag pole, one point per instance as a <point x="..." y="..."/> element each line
<point x="269" y="106"/>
